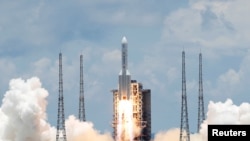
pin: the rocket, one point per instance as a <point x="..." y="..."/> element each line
<point x="124" y="75"/>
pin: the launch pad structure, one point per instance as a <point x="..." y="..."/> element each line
<point x="141" y="110"/>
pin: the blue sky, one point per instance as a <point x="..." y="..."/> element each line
<point x="33" y="33"/>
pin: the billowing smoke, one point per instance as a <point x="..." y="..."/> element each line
<point x="23" y="112"/>
<point x="79" y="131"/>
<point x="225" y="113"/>
<point x="174" y="135"/>
<point x="23" y="116"/>
<point x="218" y="113"/>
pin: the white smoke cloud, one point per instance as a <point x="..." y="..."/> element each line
<point x="22" y="113"/>
<point x="174" y="135"/>
<point x="78" y="131"/>
<point x="218" y="113"/>
<point x="225" y="113"/>
<point x="23" y="116"/>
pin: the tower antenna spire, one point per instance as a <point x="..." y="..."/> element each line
<point x="61" y="133"/>
<point x="184" y="130"/>
<point x="81" y="97"/>
<point x="201" y="114"/>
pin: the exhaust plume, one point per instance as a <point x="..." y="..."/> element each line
<point x="23" y="116"/>
<point x="78" y="131"/>
<point x="218" y="113"/>
<point x="23" y="112"/>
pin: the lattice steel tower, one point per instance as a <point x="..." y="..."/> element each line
<point x="201" y="114"/>
<point x="61" y="133"/>
<point x="184" y="130"/>
<point x="81" y="115"/>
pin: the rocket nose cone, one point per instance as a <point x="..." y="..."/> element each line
<point x="124" y="40"/>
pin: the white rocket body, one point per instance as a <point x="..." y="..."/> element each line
<point x="124" y="75"/>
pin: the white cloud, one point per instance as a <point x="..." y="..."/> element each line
<point x="42" y="65"/>
<point x="230" y="78"/>
<point x="172" y="74"/>
<point x="129" y="18"/>
<point x="112" y="56"/>
<point x="23" y="23"/>
<point x="7" y="67"/>
<point x="212" y="24"/>
<point x="124" y="13"/>
<point x="234" y="81"/>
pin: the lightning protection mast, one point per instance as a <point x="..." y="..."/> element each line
<point x="184" y="130"/>
<point x="61" y="133"/>
<point x="81" y="97"/>
<point x="201" y="114"/>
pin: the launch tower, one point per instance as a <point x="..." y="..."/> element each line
<point x="184" y="130"/>
<point x="201" y="114"/>
<point x="81" y="115"/>
<point x="61" y="133"/>
<point x="141" y="110"/>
